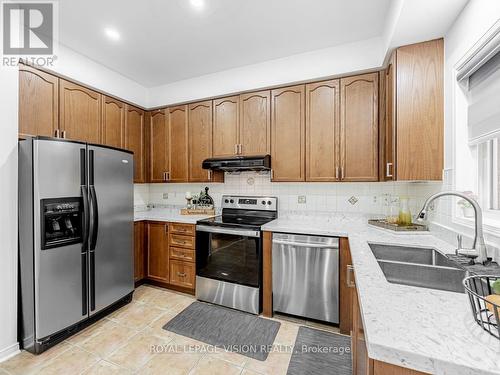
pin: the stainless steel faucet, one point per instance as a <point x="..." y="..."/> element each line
<point x="478" y="250"/>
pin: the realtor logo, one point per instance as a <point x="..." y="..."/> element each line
<point x="28" y="28"/>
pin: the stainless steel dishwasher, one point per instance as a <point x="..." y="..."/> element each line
<point x="306" y="276"/>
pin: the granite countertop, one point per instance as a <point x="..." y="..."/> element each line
<point x="167" y="214"/>
<point x="423" y="329"/>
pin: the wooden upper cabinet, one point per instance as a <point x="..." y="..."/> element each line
<point x="178" y="144"/>
<point x="158" y="262"/>
<point x="113" y="122"/>
<point x="288" y="133"/>
<point x="322" y="130"/>
<point x="158" y="143"/>
<point x="255" y="123"/>
<point x="419" y="111"/>
<point x="359" y="128"/>
<point x="225" y="126"/>
<point x="389" y="126"/>
<point x="134" y="140"/>
<point x="79" y="112"/>
<point x="200" y="139"/>
<point x="38" y="102"/>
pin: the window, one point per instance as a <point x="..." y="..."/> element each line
<point x="483" y="120"/>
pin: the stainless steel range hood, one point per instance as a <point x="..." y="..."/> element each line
<point x="239" y="163"/>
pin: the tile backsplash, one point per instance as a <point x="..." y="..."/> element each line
<point x="356" y="197"/>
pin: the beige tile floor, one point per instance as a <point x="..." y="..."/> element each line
<point x="122" y="343"/>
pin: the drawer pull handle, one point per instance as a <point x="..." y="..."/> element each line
<point x="350" y="279"/>
<point x="181" y="274"/>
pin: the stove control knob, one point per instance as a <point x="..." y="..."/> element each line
<point x="263" y="202"/>
<point x="226" y="200"/>
<point x="269" y="203"/>
<point x="232" y="201"/>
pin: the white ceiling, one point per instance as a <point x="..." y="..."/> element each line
<point x="165" y="41"/>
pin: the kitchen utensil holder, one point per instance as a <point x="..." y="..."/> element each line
<point x="478" y="287"/>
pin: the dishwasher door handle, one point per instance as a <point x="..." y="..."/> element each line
<point x="302" y="244"/>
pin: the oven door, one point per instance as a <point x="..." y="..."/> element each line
<point x="229" y="254"/>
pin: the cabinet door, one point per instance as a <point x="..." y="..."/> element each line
<point x="346" y="287"/>
<point x="178" y="144"/>
<point x="134" y="140"/>
<point x="420" y="118"/>
<point x="322" y="130"/>
<point x="139" y="251"/>
<point x="80" y="112"/>
<point x="200" y="140"/>
<point x="389" y="144"/>
<point x="362" y="364"/>
<point x="182" y="274"/>
<point x="158" y="141"/>
<point x="225" y="128"/>
<point x="38" y="102"/>
<point x="359" y="128"/>
<point x="113" y="122"/>
<point x="288" y="133"/>
<point x="158" y="251"/>
<point x="255" y="123"/>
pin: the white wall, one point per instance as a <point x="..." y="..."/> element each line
<point x="345" y="58"/>
<point x="474" y="21"/>
<point x="8" y="211"/>
<point x="89" y="72"/>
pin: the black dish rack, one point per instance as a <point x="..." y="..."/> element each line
<point x="486" y="313"/>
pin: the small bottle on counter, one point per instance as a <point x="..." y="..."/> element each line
<point x="404" y="217"/>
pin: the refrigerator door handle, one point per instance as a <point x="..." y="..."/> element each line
<point x="86" y="218"/>
<point x="95" y="218"/>
<point x="92" y="280"/>
<point x="84" y="284"/>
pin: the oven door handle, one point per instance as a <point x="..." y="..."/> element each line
<point x="236" y="232"/>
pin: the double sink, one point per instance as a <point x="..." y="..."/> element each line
<point x="421" y="267"/>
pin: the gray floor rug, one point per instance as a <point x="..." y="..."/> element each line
<point x="318" y="353"/>
<point x="229" y="329"/>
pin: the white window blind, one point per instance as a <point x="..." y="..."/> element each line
<point x="484" y="102"/>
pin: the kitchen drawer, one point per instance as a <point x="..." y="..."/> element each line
<point x="182" y="274"/>
<point x="178" y="240"/>
<point x="186" y="255"/>
<point x="187" y="229"/>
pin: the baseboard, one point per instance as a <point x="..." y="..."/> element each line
<point x="9" y="352"/>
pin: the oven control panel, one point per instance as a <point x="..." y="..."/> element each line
<point x="250" y="203"/>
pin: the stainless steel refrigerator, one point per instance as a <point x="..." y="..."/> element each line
<point x="75" y="237"/>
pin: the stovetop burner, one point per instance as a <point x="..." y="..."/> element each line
<point x="244" y="212"/>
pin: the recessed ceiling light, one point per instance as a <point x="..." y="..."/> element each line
<point x="197" y="4"/>
<point x="112" y="33"/>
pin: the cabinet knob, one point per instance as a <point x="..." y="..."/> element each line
<point x="181" y="274"/>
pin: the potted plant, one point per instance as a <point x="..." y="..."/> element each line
<point x="467" y="209"/>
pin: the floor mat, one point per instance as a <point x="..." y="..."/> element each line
<point x="318" y="352"/>
<point x="226" y="328"/>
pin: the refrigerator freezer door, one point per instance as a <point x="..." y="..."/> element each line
<point x="60" y="273"/>
<point x="111" y="261"/>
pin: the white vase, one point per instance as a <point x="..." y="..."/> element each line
<point x="468" y="212"/>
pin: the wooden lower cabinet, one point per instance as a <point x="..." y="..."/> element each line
<point x="139" y="251"/>
<point x="182" y="273"/>
<point x="158" y="251"/>
<point x="168" y="258"/>
<point x="345" y="289"/>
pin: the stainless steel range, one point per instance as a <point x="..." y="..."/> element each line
<point x="229" y="252"/>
